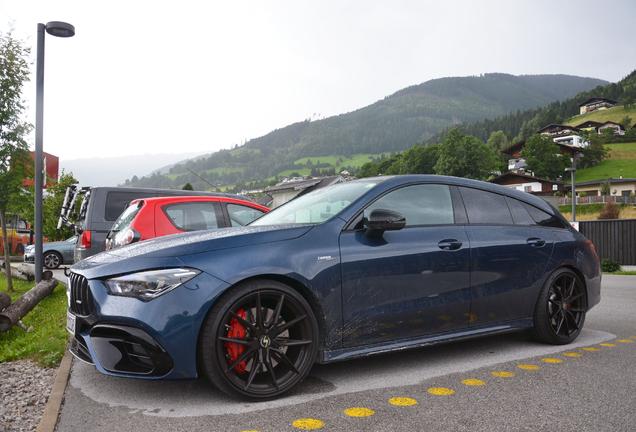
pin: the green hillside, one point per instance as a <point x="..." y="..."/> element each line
<point x="621" y="162"/>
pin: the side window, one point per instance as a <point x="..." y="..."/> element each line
<point x="241" y="215"/>
<point x="485" y="207"/>
<point x="116" y="203"/>
<point x="519" y="213"/>
<point x="194" y="216"/>
<point x="542" y="218"/>
<point x="425" y="204"/>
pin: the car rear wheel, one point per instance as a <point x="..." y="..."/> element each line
<point x="259" y="341"/>
<point x="560" y="311"/>
<point x="52" y="260"/>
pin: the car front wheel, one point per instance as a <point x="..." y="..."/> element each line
<point x="560" y="310"/>
<point x="259" y="341"/>
<point x="52" y="260"/>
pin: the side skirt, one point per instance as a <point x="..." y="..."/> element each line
<point x="385" y="347"/>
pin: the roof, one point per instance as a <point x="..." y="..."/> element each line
<point x="516" y="146"/>
<point x="304" y="184"/>
<point x="524" y="178"/>
<point x="597" y="99"/>
<point x="264" y="200"/>
<point x="553" y="128"/>
<point x="620" y="126"/>
<point x="589" y="124"/>
<point x="611" y="180"/>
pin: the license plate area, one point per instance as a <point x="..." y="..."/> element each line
<point x="70" y="322"/>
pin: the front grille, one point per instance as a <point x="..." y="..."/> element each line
<point x="81" y="297"/>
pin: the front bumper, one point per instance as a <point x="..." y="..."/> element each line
<point x="125" y="336"/>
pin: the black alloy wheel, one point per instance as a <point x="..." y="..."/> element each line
<point x="259" y="340"/>
<point x="52" y="260"/>
<point x="560" y="311"/>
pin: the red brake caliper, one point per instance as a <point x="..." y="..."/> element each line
<point x="234" y="350"/>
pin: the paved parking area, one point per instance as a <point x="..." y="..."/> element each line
<point x="496" y="383"/>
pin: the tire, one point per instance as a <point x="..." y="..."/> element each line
<point x="52" y="260"/>
<point x="560" y="310"/>
<point x="245" y="352"/>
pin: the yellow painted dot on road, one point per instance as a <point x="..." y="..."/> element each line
<point x="359" y="412"/>
<point x="444" y="317"/>
<point x="402" y="401"/>
<point x="608" y="344"/>
<point x="625" y="341"/>
<point x="308" y="424"/>
<point x="441" y="391"/>
<point x="633" y="337"/>
<point x="551" y="360"/>
<point x="591" y="349"/>
<point x="529" y="367"/>
<point x="473" y="382"/>
<point x="503" y="374"/>
<point x="471" y="317"/>
<point x="573" y="354"/>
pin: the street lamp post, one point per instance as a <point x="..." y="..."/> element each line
<point x="59" y="29"/>
<point x="572" y="171"/>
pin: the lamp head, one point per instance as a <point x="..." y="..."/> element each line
<point x="60" y="29"/>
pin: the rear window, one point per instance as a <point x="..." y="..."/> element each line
<point x="116" y="202"/>
<point x="125" y="219"/>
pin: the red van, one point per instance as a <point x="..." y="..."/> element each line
<point x="147" y="218"/>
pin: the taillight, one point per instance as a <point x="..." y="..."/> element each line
<point x="591" y="246"/>
<point x="85" y="240"/>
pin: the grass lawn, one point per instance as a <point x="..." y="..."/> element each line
<point x="46" y="342"/>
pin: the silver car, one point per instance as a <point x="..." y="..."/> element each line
<point x="54" y="253"/>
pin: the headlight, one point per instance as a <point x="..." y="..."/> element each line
<point x="151" y="284"/>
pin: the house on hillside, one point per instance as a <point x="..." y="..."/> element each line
<point x="589" y="125"/>
<point x="595" y="104"/>
<point x="526" y="183"/>
<point x="517" y="164"/>
<point x="563" y="134"/>
<point x="619" y="129"/>
<point x="291" y="189"/>
<point x="622" y="186"/>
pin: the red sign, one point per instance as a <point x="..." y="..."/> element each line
<point x="51" y="166"/>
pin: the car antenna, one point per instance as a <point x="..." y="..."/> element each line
<point x="217" y="189"/>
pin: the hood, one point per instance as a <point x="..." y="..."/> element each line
<point x="165" y="251"/>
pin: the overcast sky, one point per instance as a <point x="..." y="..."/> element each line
<point x="170" y="77"/>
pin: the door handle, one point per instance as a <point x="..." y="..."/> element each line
<point x="449" y="244"/>
<point x="536" y="242"/>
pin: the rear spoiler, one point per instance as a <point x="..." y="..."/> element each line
<point x="68" y="206"/>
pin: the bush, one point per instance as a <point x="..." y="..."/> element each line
<point x="610" y="211"/>
<point x="609" y="266"/>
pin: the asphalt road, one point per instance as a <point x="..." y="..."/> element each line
<point x="498" y="383"/>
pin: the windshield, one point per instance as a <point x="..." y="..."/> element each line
<point x="317" y="206"/>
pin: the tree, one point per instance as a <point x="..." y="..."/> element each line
<point x="606" y="187"/>
<point x="497" y="142"/>
<point x="543" y="159"/>
<point x="594" y="151"/>
<point x="416" y="160"/>
<point x="187" y="186"/>
<point x="15" y="161"/>
<point x="626" y="122"/>
<point x="462" y="155"/>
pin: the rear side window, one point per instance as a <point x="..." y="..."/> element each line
<point x="424" y="204"/>
<point x="485" y="207"/>
<point x="194" y="216"/>
<point x="542" y="218"/>
<point x="241" y="215"/>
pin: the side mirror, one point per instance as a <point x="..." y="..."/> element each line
<point x="381" y="220"/>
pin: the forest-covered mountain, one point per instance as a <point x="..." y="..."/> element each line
<point x="396" y="123"/>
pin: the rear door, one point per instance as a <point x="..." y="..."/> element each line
<point x="509" y="255"/>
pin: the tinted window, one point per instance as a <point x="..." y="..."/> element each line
<point x="485" y="207"/>
<point x="241" y="215"/>
<point x="426" y="204"/>
<point x="116" y="202"/>
<point x="519" y="213"/>
<point x="195" y="216"/>
<point x="542" y="218"/>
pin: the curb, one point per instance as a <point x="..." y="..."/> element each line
<point x="54" y="404"/>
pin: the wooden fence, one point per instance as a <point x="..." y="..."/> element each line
<point x="613" y="239"/>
